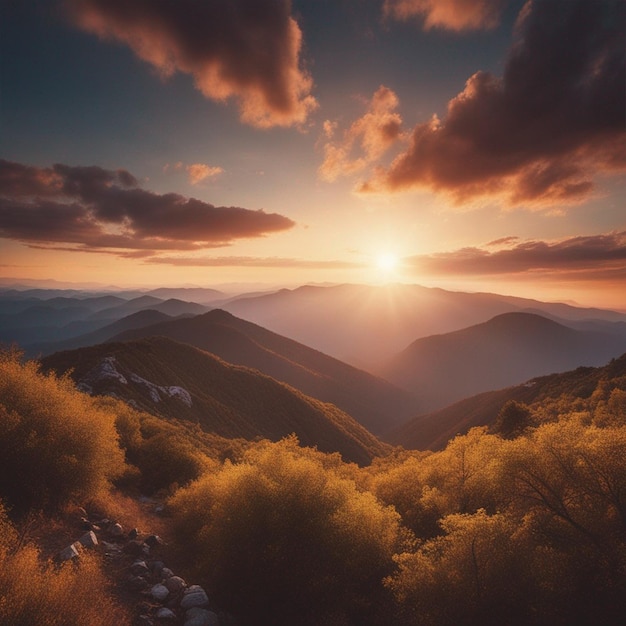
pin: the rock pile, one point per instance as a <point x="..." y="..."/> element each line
<point x="164" y="597"/>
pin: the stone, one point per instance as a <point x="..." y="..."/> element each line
<point x="134" y="548"/>
<point x="116" y="530"/>
<point x="133" y="533"/>
<point x="166" y="572"/>
<point x="139" y="568"/>
<point x="166" y="615"/>
<point x="197" y="616"/>
<point x="159" y="592"/>
<point x="137" y="583"/>
<point x="71" y="552"/>
<point x="175" y="584"/>
<point x="111" y="548"/>
<point x="157" y="568"/>
<point x="88" y="540"/>
<point x="153" y="540"/>
<point x="194" y="596"/>
<point x="145" y="620"/>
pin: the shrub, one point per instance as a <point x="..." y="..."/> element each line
<point x="32" y="592"/>
<point x="55" y="444"/>
<point x="283" y="540"/>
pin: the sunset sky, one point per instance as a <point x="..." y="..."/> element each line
<point x="475" y="145"/>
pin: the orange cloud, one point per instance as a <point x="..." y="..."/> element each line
<point x="199" y="172"/>
<point x="93" y="209"/>
<point x="365" y="141"/>
<point x="457" y="15"/>
<point x="540" y="134"/>
<point x="243" y="49"/>
<point x="602" y="256"/>
<point x="245" y="261"/>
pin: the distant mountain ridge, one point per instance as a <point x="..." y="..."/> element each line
<point x="366" y="325"/>
<point x="375" y="403"/>
<point x="176" y="380"/>
<point x="506" y="350"/>
<point x="433" y="430"/>
<point x="33" y="321"/>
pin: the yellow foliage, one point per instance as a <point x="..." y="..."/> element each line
<point x="298" y="542"/>
<point x="32" y="592"/>
<point x="55" y="443"/>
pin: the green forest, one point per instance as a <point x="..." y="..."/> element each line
<point x="519" y="523"/>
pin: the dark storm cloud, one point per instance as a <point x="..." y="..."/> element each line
<point x="95" y="208"/>
<point x="541" y="133"/>
<point x="597" y="254"/>
<point x="246" y="49"/>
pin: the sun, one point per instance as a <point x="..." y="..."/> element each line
<point x="386" y="262"/>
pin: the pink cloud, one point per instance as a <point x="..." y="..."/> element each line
<point x="595" y="255"/>
<point x="96" y="209"/>
<point x="365" y="141"/>
<point x="457" y="15"/>
<point x="243" y="49"/>
<point x="540" y="134"/>
<point x="239" y="261"/>
<point x="199" y="171"/>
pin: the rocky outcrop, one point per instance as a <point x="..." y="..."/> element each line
<point x="162" y="596"/>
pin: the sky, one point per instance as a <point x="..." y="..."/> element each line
<point x="475" y="145"/>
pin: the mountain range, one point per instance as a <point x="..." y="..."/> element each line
<point x="434" y="430"/>
<point x="366" y="325"/>
<point x="505" y="350"/>
<point x="373" y="402"/>
<point x="409" y="396"/>
<point x="176" y="380"/>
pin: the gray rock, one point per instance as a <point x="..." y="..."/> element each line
<point x="71" y="552"/>
<point x="134" y="548"/>
<point x="166" y="572"/>
<point x="88" y="540"/>
<point x="197" y="616"/>
<point x="159" y="592"/>
<point x="166" y="615"/>
<point x="111" y="548"/>
<point x="194" y="596"/>
<point x="137" y="583"/>
<point x="139" y="568"/>
<point x="116" y="530"/>
<point x="153" y="540"/>
<point x="175" y="584"/>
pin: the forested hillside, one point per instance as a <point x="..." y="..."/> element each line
<point x="597" y="390"/>
<point x="173" y="379"/>
<point x="524" y="525"/>
<point x="375" y="403"/>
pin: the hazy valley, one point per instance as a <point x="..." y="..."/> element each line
<point x="279" y="460"/>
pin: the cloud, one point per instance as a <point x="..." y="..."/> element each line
<point x="597" y="255"/>
<point x="199" y="171"/>
<point x="243" y="49"/>
<point x="93" y="209"/>
<point x="541" y="133"/>
<point x="457" y="15"/>
<point x="244" y="261"/>
<point x="365" y="141"/>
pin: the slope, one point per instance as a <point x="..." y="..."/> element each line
<point x="365" y="325"/>
<point x="544" y="394"/>
<point x="373" y="402"/>
<point x="171" y="379"/>
<point x="506" y="350"/>
<point x="145" y="317"/>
